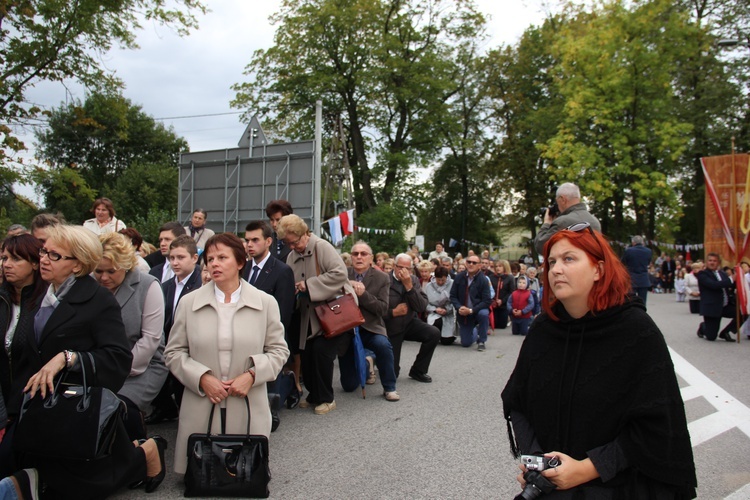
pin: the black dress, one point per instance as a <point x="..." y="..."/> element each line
<point x="603" y="387"/>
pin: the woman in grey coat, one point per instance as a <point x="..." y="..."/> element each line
<point x="440" y="311"/>
<point x="142" y="304"/>
<point x="319" y="275"/>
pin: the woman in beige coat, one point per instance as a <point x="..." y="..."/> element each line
<point x="226" y="343"/>
<point x="319" y="275"/>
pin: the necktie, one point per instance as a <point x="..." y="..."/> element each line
<point x="359" y="277"/>
<point x="255" y="275"/>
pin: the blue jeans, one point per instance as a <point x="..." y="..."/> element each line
<point x="381" y="347"/>
<point x="469" y="334"/>
<point x="520" y="326"/>
<point x="8" y="490"/>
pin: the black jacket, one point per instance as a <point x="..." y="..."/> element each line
<point x="168" y="288"/>
<point x="277" y="280"/>
<point x="711" y="289"/>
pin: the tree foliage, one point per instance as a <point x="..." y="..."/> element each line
<point x="107" y="146"/>
<point x="388" y="67"/>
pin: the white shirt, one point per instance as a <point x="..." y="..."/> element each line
<point x="166" y="272"/>
<point x="179" y="286"/>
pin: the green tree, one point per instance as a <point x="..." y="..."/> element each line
<point x="107" y="146"/>
<point x="527" y="109"/>
<point x="394" y="216"/>
<point x="621" y="137"/>
<point x="387" y="67"/>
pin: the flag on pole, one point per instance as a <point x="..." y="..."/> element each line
<point x="334" y="227"/>
<point x="347" y="222"/>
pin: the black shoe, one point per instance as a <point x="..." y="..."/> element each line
<point x="292" y="401"/>
<point x="275" y="420"/>
<point x="420" y="377"/>
<point x="700" y="330"/>
<point x="158" y="416"/>
<point x="726" y="336"/>
<point x="153" y="482"/>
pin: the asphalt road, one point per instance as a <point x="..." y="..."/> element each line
<point x="448" y="439"/>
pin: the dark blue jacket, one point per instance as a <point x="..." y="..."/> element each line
<point x="712" y="297"/>
<point x="637" y="259"/>
<point x="479" y="292"/>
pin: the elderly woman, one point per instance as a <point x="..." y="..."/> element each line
<point x="142" y="303"/>
<point x="424" y="270"/>
<point x="21" y="292"/>
<point x="503" y="283"/>
<point x="594" y="385"/>
<point x="197" y="228"/>
<point x="691" y="287"/>
<point x="380" y="259"/>
<point x="227" y="341"/>
<point x="78" y="316"/>
<point x="104" y="220"/>
<point x="319" y="275"/>
<point x="440" y="311"/>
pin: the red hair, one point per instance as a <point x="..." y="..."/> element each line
<point x="613" y="285"/>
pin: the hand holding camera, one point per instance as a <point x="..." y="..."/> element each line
<point x="557" y="469"/>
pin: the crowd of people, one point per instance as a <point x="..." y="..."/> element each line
<point x="167" y="327"/>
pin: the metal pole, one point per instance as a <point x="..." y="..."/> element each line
<point x="737" y="243"/>
<point x="317" y="166"/>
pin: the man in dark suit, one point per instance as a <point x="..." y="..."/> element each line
<point x="668" y="269"/>
<point x="714" y="286"/>
<point x="405" y="300"/>
<point x="183" y="260"/>
<point x="275" y="210"/>
<point x="274" y="277"/>
<point x="159" y="261"/>
<point x="371" y="287"/>
<point x="637" y="258"/>
<point x="470" y="296"/>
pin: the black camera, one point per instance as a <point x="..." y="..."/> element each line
<point x="554" y="210"/>
<point x="536" y="484"/>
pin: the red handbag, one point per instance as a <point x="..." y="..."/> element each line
<point x="339" y="315"/>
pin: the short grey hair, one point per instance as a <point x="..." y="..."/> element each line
<point x="446" y="259"/>
<point x="404" y="256"/>
<point x="637" y="240"/>
<point x="363" y="243"/>
<point x="569" y="190"/>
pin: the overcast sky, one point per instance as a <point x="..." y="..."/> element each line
<point x="171" y="76"/>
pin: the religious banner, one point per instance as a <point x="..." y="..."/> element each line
<point x="727" y="203"/>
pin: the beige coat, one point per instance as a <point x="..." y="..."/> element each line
<point x="258" y="341"/>
<point x="321" y="286"/>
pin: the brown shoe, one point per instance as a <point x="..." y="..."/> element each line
<point x="391" y="396"/>
<point x="304" y="404"/>
<point x="324" y="408"/>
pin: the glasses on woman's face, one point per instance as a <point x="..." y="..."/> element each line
<point x="53" y="256"/>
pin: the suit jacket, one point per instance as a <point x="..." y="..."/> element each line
<point x="712" y="297"/>
<point x="87" y="319"/>
<point x="415" y="298"/>
<point x="667" y="271"/>
<point x="168" y="288"/>
<point x="157" y="270"/>
<point x="374" y="301"/>
<point x="479" y="292"/>
<point x="636" y="259"/>
<point x="277" y="280"/>
<point x="154" y="259"/>
<point x="283" y="252"/>
<point x="257" y="342"/>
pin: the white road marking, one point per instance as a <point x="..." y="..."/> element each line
<point x="730" y="412"/>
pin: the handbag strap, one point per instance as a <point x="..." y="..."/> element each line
<point x="211" y="417"/>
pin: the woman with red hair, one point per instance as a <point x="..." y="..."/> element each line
<point x="594" y="385"/>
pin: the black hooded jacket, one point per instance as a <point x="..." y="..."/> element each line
<point x="603" y="387"/>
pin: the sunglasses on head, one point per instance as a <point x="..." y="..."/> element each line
<point x="582" y="226"/>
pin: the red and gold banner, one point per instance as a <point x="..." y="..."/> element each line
<point x="727" y="205"/>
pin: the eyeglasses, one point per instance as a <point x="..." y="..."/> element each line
<point x="293" y="244"/>
<point x="53" y="256"/>
<point x="357" y="254"/>
<point x="582" y="226"/>
<point x="472" y="262"/>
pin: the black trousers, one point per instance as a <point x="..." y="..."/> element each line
<point x="501" y="316"/>
<point x="416" y="331"/>
<point x="317" y="366"/>
<point x="133" y="420"/>
<point x="711" y="324"/>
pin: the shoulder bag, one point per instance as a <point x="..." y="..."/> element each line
<point x="75" y="422"/>
<point x="337" y="315"/>
<point x="227" y="465"/>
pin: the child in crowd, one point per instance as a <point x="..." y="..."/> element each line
<point x="520" y="306"/>
<point x="679" y="286"/>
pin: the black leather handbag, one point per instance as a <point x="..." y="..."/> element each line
<point x="227" y="465"/>
<point x="75" y="422"/>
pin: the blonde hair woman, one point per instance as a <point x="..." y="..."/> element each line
<point x="319" y="275"/>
